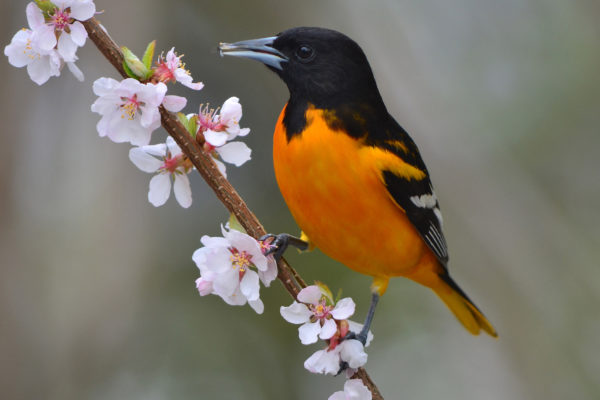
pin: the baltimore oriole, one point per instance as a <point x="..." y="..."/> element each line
<point x="350" y="174"/>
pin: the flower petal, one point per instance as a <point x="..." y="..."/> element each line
<point x="182" y="190"/>
<point x="310" y="295"/>
<point x="354" y="389"/>
<point x="236" y="153"/>
<point x="257" y="305"/>
<point x="78" y="33"/>
<point x="35" y="17"/>
<point x="174" y="103"/>
<point x="270" y="274"/>
<point x="231" y="111"/>
<point x="296" y="313"/>
<point x="83" y="10"/>
<point x="43" y="39"/>
<point x="160" y="189"/>
<point x="104" y="86"/>
<point x="214" y="138"/>
<point x="221" y="167"/>
<point x="338" y="396"/>
<point x="67" y="47"/>
<point x="17" y="51"/>
<point x="309" y="332"/>
<point x="75" y="71"/>
<point x="204" y="286"/>
<point x="328" y="329"/>
<point x="40" y="70"/>
<point x="323" y="362"/>
<point x="353" y="352"/>
<point x="144" y="161"/>
<point x="227" y="282"/>
<point x="343" y="309"/>
<point x="249" y="285"/>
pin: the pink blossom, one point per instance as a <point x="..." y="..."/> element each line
<point x="171" y="69"/>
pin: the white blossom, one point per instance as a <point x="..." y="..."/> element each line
<point x="169" y="164"/>
<point x="354" y="389"/>
<point x="62" y="29"/>
<point x="232" y="267"/>
<point x="41" y="64"/>
<point x="317" y="314"/>
<point x="129" y="109"/>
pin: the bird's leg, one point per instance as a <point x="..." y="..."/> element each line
<point x="281" y="242"/>
<point x="364" y="332"/>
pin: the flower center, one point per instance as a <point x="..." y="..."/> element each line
<point x="60" y="19"/>
<point x="172" y="163"/>
<point x="240" y="260"/>
<point x="130" y="107"/>
<point x="29" y="51"/>
<point x="321" y="310"/>
<point x="209" y="119"/>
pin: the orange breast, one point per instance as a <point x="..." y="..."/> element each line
<point x="333" y="187"/>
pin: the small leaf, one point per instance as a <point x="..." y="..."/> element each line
<point x="326" y="292"/>
<point x="149" y="54"/>
<point x="46" y="6"/>
<point x="135" y="65"/>
<point x="193" y="125"/>
<point x="129" y="72"/>
<point x="235" y="224"/>
<point x="183" y="119"/>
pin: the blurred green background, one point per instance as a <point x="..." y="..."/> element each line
<point x="97" y="296"/>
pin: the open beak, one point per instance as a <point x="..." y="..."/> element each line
<point x="257" y="49"/>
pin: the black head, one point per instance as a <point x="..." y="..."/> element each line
<point x="319" y="66"/>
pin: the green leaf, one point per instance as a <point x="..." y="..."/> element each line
<point x="149" y="54"/>
<point x="235" y="224"/>
<point x="46" y="6"/>
<point x="129" y="72"/>
<point x="326" y="292"/>
<point x="135" y="65"/>
<point x="193" y="125"/>
<point x="183" y="119"/>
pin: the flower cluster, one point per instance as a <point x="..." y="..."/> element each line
<point x="322" y="317"/>
<point x="54" y="35"/>
<point x="129" y="112"/>
<point x="232" y="267"/>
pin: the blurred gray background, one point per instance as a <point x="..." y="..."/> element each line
<point x="97" y="296"/>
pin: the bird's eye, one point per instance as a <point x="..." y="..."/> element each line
<point x="305" y="53"/>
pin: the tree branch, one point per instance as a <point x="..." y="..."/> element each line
<point x="205" y="165"/>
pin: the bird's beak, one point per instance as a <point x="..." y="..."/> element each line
<point x="257" y="49"/>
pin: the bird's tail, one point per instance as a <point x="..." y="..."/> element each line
<point x="456" y="300"/>
<point x="462" y="307"/>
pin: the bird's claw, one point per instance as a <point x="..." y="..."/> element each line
<point x="279" y="243"/>
<point x="361" y="337"/>
<point x="343" y="366"/>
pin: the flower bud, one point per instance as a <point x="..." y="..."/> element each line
<point x="133" y="65"/>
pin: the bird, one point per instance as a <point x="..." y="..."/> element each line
<point x="351" y="176"/>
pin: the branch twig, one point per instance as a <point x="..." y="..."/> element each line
<point x="205" y="165"/>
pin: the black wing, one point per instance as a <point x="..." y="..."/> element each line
<point x="416" y="197"/>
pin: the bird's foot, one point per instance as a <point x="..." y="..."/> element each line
<point x="343" y="366"/>
<point x="279" y="243"/>
<point x="361" y="336"/>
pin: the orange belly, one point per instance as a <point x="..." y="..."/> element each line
<point x="333" y="187"/>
